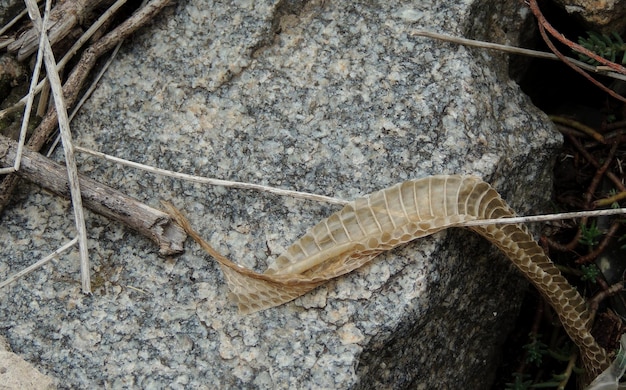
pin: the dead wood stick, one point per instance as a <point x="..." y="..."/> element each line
<point x="104" y="200"/>
<point x="63" y="18"/>
<point x="77" y="77"/>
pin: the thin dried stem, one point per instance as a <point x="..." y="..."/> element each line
<point x="76" y="79"/>
<point x="88" y="92"/>
<point x="588" y="258"/>
<point x="516" y="50"/>
<point x="565" y="376"/>
<point x="594" y="302"/>
<point x="600" y="173"/>
<point x="65" y="16"/>
<point x="70" y="54"/>
<point x="9" y="25"/>
<point x="328" y="199"/>
<point x="610" y="200"/>
<point x="578" y="70"/>
<point x="30" y="97"/>
<point x="544" y="24"/>
<point x="216" y="182"/>
<point x="591" y="132"/>
<point x="13" y="21"/>
<point x="547" y="217"/>
<point x="38" y="264"/>
<point x="66" y="135"/>
<point x="610" y="175"/>
<point x="91" y="31"/>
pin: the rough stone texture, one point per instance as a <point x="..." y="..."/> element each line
<point x="604" y="16"/>
<point x="18" y="374"/>
<point x="340" y="99"/>
<point x="506" y="23"/>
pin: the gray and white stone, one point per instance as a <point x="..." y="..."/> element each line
<point x="18" y="374"/>
<point x="336" y="98"/>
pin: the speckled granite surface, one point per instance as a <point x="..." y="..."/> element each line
<point x="16" y="373"/>
<point x="340" y="99"/>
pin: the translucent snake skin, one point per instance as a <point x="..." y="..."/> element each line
<point x="394" y="216"/>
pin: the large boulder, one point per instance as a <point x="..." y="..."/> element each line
<point x="336" y="98"/>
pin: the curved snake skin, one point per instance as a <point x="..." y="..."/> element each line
<point x="385" y="219"/>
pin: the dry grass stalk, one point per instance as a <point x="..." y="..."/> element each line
<point x="66" y="135"/>
<point x="65" y="96"/>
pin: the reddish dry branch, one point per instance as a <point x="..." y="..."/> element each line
<point x="544" y="24"/>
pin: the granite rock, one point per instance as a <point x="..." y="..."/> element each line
<point x="18" y="374"/>
<point x="336" y="98"/>
<point x="600" y="16"/>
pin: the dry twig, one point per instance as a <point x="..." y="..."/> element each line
<point x="99" y="198"/>
<point x="66" y="135"/>
<point x="40" y="263"/>
<point x="63" y="18"/>
<point x="516" y="50"/>
<point x="70" y="53"/>
<point x="76" y="79"/>
<point x="573" y="45"/>
<point x="327" y="199"/>
<point x="216" y="182"/>
<point x="545" y="25"/>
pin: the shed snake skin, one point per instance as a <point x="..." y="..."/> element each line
<point x="394" y="216"/>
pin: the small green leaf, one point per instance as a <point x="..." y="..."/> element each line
<point x="535" y="349"/>
<point x="590" y="272"/>
<point x="589" y="234"/>
<point x="610" y="47"/>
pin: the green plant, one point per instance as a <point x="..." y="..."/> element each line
<point x="610" y="47"/>
<point x="535" y="349"/>
<point x="590" y="272"/>
<point x="589" y="234"/>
